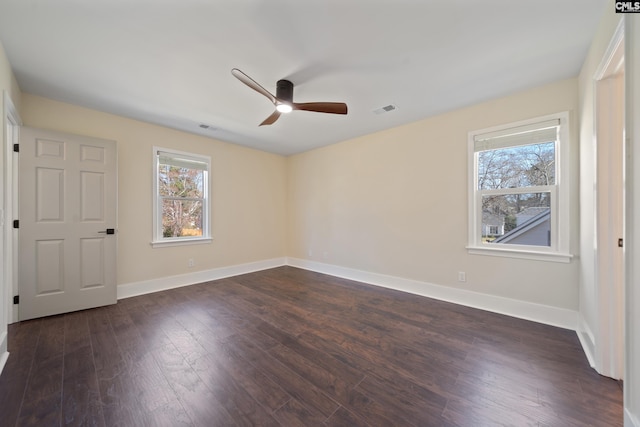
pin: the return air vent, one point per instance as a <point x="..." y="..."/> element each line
<point x="207" y="127"/>
<point x="385" y="109"/>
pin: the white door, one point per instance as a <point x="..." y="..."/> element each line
<point x="68" y="196"/>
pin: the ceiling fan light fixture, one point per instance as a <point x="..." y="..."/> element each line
<point x="283" y="99"/>
<point x="284" y="108"/>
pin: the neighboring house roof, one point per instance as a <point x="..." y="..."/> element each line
<point x="533" y="211"/>
<point x="526" y="226"/>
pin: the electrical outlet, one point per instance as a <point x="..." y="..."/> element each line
<point x="462" y="276"/>
<point x="191" y="263"/>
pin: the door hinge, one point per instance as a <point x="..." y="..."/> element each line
<point x="16" y="223"/>
<point x="620" y="243"/>
<point x="16" y="299"/>
<point x="16" y="148"/>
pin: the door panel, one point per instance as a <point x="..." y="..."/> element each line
<point x="49" y="194"/>
<point x="92" y="262"/>
<point x="49" y="266"/>
<point x="92" y="196"/>
<point x="68" y="198"/>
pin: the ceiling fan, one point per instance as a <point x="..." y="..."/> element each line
<point x="283" y="100"/>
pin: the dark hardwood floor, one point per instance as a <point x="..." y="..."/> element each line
<point x="288" y="347"/>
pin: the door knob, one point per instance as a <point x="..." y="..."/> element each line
<point x="108" y="231"/>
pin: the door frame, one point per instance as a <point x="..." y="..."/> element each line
<point x="632" y="225"/>
<point x="8" y="193"/>
<point x="12" y="124"/>
<point x="609" y="191"/>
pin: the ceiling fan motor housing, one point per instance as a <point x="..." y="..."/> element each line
<point x="284" y="90"/>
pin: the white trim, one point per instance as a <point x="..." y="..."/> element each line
<point x="554" y="316"/>
<point x="613" y="59"/>
<point x="630" y="420"/>
<point x="632" y="223"/>
<point x="9" y="279"/>
<point x="163" y="283"/>
<point x="4" y="354"/>
<point x="512" y="252"/>
<point x="176" y="242"/>
<point x="608" y="207"/>
<point x="587" y="340"/>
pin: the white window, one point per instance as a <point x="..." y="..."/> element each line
<point x="519" y="195"/>
<point x="180" y="198"/>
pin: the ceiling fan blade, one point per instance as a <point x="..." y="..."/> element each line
<point x="271" y="119"/>
<point x="322" y="107"/>
<point x="252" y="84"/>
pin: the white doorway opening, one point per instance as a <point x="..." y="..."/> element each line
<point x="609" y="210"/>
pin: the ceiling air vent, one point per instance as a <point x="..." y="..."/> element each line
<point x="385" y="109"/>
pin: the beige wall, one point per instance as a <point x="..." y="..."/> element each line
<point x="395" y="203"/>
<point x="8" y="81"/>
<point x="248" y="192"/>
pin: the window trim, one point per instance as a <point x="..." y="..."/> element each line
<point x="560" y="194"/>
<point x="157" y="239"/>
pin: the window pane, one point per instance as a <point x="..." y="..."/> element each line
<point x="517" y="219"/>
<point x="514" y="167"/>
<point x="180" y="182"/>
<point x="181" y="218"/>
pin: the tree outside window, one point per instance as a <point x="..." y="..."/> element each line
<point x="181" y="201"/>
<point x="525" y="166"/>
<point x="181" y="192"/>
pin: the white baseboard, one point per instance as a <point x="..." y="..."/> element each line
<point x="133" y="289"/>
<point x="4" y="354"/>
<point x="3" y="360"/>
<point x="554" y="316"/>
<point x="630" y="420"/>
<point x="587" y="341"/>
<point x="521" y="309"/>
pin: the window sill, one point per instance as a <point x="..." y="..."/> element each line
<point x="181" y="242"/>
<point x="521" y="254"/>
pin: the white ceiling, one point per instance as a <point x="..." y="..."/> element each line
<point x="169" y="62"/>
